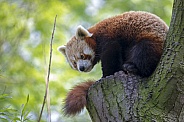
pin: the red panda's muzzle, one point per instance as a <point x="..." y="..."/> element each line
<point x="84" y="65"/>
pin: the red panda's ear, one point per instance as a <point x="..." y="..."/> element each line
<point x="62" y="49"/>
<point x="82" y="32"/>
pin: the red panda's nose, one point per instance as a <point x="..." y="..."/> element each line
<point x="81" y="68"/>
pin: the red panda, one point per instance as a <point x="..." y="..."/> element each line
<point x="132" y="41"/>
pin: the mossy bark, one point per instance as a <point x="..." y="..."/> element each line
<point x="159" y="98"/>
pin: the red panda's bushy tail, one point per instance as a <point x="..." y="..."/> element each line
<point x="76" y="98"/>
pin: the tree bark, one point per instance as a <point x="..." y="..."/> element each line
<point x="126" y="97"/>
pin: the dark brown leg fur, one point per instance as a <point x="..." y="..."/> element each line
<point x="111" y="58"/>
<point x="142" y="58"/>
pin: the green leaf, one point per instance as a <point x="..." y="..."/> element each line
<point x="17" y="119"/>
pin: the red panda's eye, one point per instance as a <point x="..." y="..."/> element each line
<point x="82" y="56"/>
<point x="74" y="63"/>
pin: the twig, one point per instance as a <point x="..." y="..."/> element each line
<point x="4" y="90"/>
<point x="47" y="83"/>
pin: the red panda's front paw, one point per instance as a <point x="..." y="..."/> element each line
<point x="130" y="67"/>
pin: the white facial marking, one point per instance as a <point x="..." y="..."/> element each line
<point x="84" y="65"/>
<point x="88" y="51"/>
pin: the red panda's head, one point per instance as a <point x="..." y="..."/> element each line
<point x="79" y="53"/>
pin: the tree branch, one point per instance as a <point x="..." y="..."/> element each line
<point x="112" y="99"/>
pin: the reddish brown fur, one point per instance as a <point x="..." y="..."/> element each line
<point x="91" y="42"/>
<point x="133" y="26"/>
<point x="76" y="98"/>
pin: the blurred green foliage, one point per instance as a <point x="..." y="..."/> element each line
<point x="25" y="32"/>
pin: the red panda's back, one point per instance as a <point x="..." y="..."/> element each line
<point x="131" y="26"/>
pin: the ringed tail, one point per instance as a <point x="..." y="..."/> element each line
<point x="76" y="98"/>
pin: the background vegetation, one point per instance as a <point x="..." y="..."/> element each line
<point x="25" y="32"/>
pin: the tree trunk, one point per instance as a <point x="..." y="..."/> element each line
<point x="123" y="97"/>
